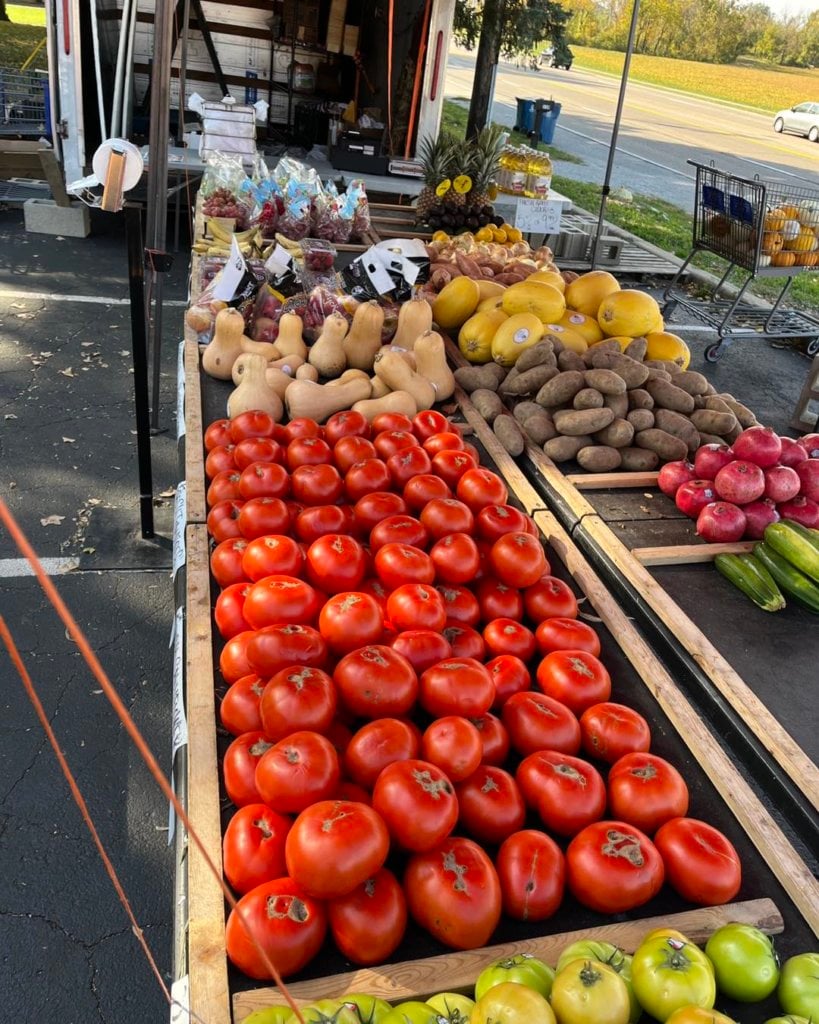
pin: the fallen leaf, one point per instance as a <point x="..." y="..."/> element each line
<point x="24" y="316"/>
<point x="95" y="501"/>
<point x="87" y="344"/>
<point x="648" y="495"/>
<point x="69" y="440"/>
<point x="9" y="416"/>
<point x="171" y="491"/>
<point x="46" y="355"/>
<point x="67" y="372"/>
<point x="88" y="551"/>
<point x="124" y="352"/>
<point x="51" y="520"/>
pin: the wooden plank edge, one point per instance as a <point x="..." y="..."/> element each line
<point x="207" y="956"/>
<point x="611" y="481"/>
<point x="457" y="971"/>
<point x="689" y="554"/>
<point x="194" y="436"/>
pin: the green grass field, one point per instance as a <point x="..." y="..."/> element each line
<point x="26" y="15"/>
<point x="19" y="36"/>
<point x="453" y="120"/>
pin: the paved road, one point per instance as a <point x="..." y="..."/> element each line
<point x="660" y="130"/>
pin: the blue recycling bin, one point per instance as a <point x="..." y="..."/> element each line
<point x="525" y="118"/>
<point x="548" y="111"/>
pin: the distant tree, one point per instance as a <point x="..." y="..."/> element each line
<point x="3" y="12"/>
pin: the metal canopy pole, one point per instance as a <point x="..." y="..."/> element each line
<point x="183" y="71"/>
<point x="604" y="195"/>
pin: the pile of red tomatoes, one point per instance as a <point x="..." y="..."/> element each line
<point x="390" y="704"/>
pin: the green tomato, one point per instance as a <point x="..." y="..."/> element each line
<point x="411" y="1012"/>
<point x="790" y="1019"/>
<point x="452" y="1006"/>
<point x="329" y="1011"/>
<point x="523" y="969"/>
<point x="605" y="953"/>
<point x="590" y="992"/>
<point x="798" y="990"/>
<point x="512" y="1003"/>
<point x="668" y="973"/>
<point x="745" y="962"/>
<point x="371" y="1009"/>
<point x="270" y="1015"/>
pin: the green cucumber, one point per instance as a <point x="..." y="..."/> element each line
<point x="751" y="577"/>
<point x="793" y="547"/>
<point x="789" y="578"/>
<point x="809" y="534"/>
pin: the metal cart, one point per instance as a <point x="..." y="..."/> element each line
<point x="767" y="228"/>
<point x="24" y="103"/>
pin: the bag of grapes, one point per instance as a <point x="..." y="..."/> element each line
<point x="224" y="189"/>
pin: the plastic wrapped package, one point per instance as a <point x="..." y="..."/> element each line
<point x="223" y="189"/>
<point x="201" y="315"/>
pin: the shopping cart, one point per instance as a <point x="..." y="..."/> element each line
<point x="769" y="229"/>
<point x="24" y="103"/>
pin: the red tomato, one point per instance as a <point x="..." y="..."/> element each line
<point x="537" y="721"/>
<point x="421" y="647"/>
<point x="453" y="891"/>
<point x="279" y="599"/>
<point x="451" y="465"/>
<point x="234" y="661"/>
<point x="335" y="846"/>
<point x="286" y="922"/>
<point x="462" y="608"/>
<point x="646" y="791"/>
<point x="351" y="620"/>
<point x="317" y="485"/>
<point x="251" y="424"/>
<point x="495" y="738"/>
<point x="532" y="873"/>
<point x="407" y="463"/>
<point x="443" y="516"/>
<point x="444" y="441"/>
<point x="455" y="558"/>
<point x="253" y="847"/>
<point x="301" y="426"/>
<point x="389" y="442"/>
<point x="549" y="598"/>
<point x="576" y="678"/>
<point x="223" y="520"/>
<point x="570" y="793"/>
<point x="308" y="451"/>
<point x="365" y="477"/>
<point x="612" y="867"/>
<point x="224" y="487"/>
<point x="480" y="487"/>
<point x="397" y="564"/>
<point x="368" y="924"/>
<point x="372" y="509"/>
<point x="226" y="562"/>
<point x="351" y="791"/>
<point x="559" y="634"/>
<point x="257" y="449"/>
<point x="376" y="745"/>
<point x="335" y="563"/>
<point x="376" y="681"/>
<point x="273" y="555"/>
<point x="390" y="421"/>
<point x="297" y="697"/>
<point x="454" y="745"/>
<point x="375" y="588"/>
<point x="399" y="529"/>
<point x="217" y="434"/>
<point x="262" y="516"/>
<point x="294" y="510"/>
<point x="264" y="480"/>
<point x="239" y="710"/>
<point x="350" y="450"/>
<point x="345" y="424"/>
<point x="429" y="422"/>
<point x="493" y="521"/>
<point x="228" y="612"/>
<point x="506" y="636"/>
<point x="510" y="675"/>
<point x="491" y="807"/>
<point x="220" y="460"/>
<point x="319" y="520"/>
<point x="517" y="559"/>
<point x="700" y="863"/>
<point x="459" y="686"/>
<point x="421" y="489"/>
<point x="465" y="642"/>
<point x="416" y="606"/>
<point x="499" y="601"/>
<point x="609" y="731"/>
<point x="298" y="771"/>
<point x="418" y="803"/>
<point x="339" y="735"/>
<point x="275" y="647"/>
<point x="239" y="767"/>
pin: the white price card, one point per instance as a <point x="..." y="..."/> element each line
<point x="278" y="261"/>
<point x="180" y="518"/>
<point x="538" y="215"/>
<point x="232" y="275"/>
<point x="179" y="723"/>
<point x="180" y="998"/>
<point x="180" y="392"/>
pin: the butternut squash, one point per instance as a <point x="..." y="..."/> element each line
<point x="327" y="351"/>
<point x="226" y="345"/>
<point x="289" y="341"/>
<point x="430" y="362"/>
<point x="379" y="386"/>
<point x="253" y="392"/>
<point x="318" y="401"/>
<point x="266" y="349"/>
<point x="348" y="375"/>
<point x="307" y="372"/>
<point x="414" y="317"/>
<point x="363" y="340"/>
<point x="395" y="401"/>
<point x="289" y="364"/>
<point x="392" y="369"/>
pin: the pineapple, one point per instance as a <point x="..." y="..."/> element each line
<point x="436" y="155"/>
<point x="461" y="163"/>
<point x="488" y="148"/>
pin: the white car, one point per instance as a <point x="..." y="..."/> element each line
<point x="803" y="119"/>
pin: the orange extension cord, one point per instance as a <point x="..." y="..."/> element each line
<point x="124" y="716"/>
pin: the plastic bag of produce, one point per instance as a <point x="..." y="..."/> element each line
<point x="356" y="206"/>
<point x="226" y="288"/>
<point x="330" y="221"/>
<point x="224" y="189"/>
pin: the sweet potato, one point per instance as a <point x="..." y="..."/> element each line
<point x="563" y="449"/>
<point x="588" y="398"/>
<point x="561" y="388"/>
<point x="487" y="403"/>
<point x="468" y="267"/>
<point x="618" y="434"/>
<point x="607" y="382"/>
<point x="638" y="460"/>
<point x="667" y="447"/>
<point x="667" y="396"/>
<point x="509" y="434"/>
<point x="599" y="458"/>
<point x="584" y="421"/>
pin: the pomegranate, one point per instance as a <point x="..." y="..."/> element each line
<point x="810" y="442"/>
<point x="760" y="445"/>
<point x="758" y="515"/>
<point x="740" y="482"/>
<point x="694" y="495"/>
<point x="673" y="474"/>
<point x="808" y="472"/>
<point x="781" y="483"/>
<point x="800" y="510"/>
<point x="721" y="522"/>
<point x="792" y="452"/>
<point x="710" y="459"/>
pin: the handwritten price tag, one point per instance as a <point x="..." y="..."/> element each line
<point x="538" y="215"/>
<point x="180" y="516"/>
<point x="180" y="392"/>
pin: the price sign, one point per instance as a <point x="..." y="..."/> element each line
<point x="180" y="392"/>
<point x="179" y="724"/>
<point x="180" y="516"/>
<point x="233" y="274"/>
<point x="538" y="215"/>
<point x="180" y="1012"/>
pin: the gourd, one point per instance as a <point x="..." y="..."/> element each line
<point x="266" y="349"/>
<point x="395" y="401"/>
<point x="629" y="312"/>
<point x="226" y="345"/>
<point x="253" y="392"/>
<point x="348" y="375"/>
<point x="327" y="352"/>
<point x="414" y="317"/>
<point x="364" y="338"/>
<point x="318" y="401"/>
<point x="307" y="372"/>
<point x="392" y="369"/>
<point x="289" y="341"/>
<point x="380" y="388"/>
<point x="287" y="363"/>
<point x="430" y="362"/>
<point x="456" y="302"/>
<point x="544" y="300"/>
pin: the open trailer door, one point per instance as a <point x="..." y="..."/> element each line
<point x="65" y="73"/>
<point x="432" y="94"/>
